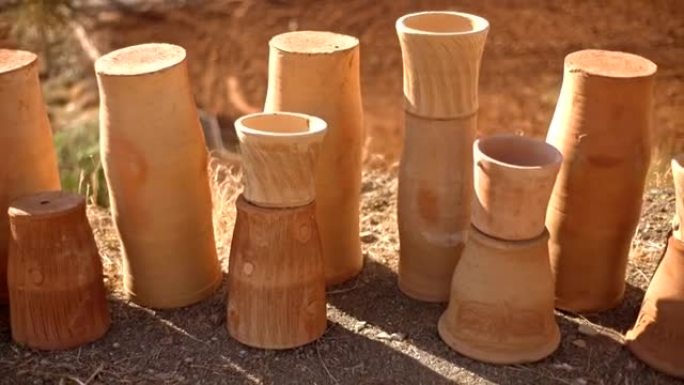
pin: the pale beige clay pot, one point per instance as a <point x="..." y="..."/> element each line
<point x="317" y="73"/>
<point x="441" y="56"/>
<point x="279" y="153"/>
<point x="602" y="126"/>
<point x="501" y="306"/>
<point x="678" y="177"/>
<point x="155" y="162"/>
<point x="28" y="163"/>
<point x="513" y="179"/>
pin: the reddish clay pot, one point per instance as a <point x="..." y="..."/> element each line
<point x="657" y="338"/>
<point x="513" y="179"/>
<point x="602" y="126"/>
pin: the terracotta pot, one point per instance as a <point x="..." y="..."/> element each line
<point x="602" y="128"/>
<point x="657" y="338"/>
<point x="678" y="177"/>
<point x="501" y="306"/>
<point x="27" y="158"/>
<point x="276" y="281"/>
<point x="317" y="73"/>
<point x="57" y="297"/>
<point x="514" y="176"/>
<point x="279" y="152"/>
<point x="441" y="53"/>
<point x="155" y="162"/>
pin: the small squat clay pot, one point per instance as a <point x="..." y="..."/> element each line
<point x="513" y="179"/>
<point x="678" y="176"/>
<point x="501" y="306"/>
<point x="279" y="153"/>
<point x="657" y="338"/>
<point x="57" y="297"/>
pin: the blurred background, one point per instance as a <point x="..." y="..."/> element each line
<point x="227" y="42"/>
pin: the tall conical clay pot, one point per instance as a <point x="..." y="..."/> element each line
<point x="602" y="127"/>
<point x="155" y="162"/>
<point x="276" y="279"/>
<point x="57" y="296"/>
<point x="513" y="179"/>
<point x="657" y="337"/>
<point x="501" y="305"/>
<point x="441" y="53"/>
<point x="317" y="73"/>
<point x="28" y="162"/>
<point x="677" y="166"/>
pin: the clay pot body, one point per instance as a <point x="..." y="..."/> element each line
<point x="317" y="73"/>
<point x="678" y="177"/>
<point x="657" y="338"/>
<point x="155" y="162"/>
<point x="27" y="158"/>
<point x="57" y="296"/>
<point x="501" y="305"/>
<point x="602" y="127"/>
<point x="513" y="179"/>
<point x="441" y="53"/>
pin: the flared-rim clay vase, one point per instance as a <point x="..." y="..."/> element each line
<point x="441" y="54"/>
<point x="317" y="73"/>
<point x="57" y="295"/>
<point x="155" y="162"/>
<point x="501" y="305"/>
<point x="602" y="126"/>
<point x="677" y="166"/>
<point x="279" y="152"/>
<point x="28" y="162"/>
<point x="513" y="179"/>
<point x="657" y="337"/>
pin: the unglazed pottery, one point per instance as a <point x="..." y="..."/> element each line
<point x="657" y="338"/>
<point x="441" y="55"/>
<point x="57" y="296"/>
<point x="317" y="73"/>
<point x="27" y="158"/>
<point x="513" y="179"/>
<point x="279" y="152"/>
<point x="501" y="306"/>
<point x="678" y="177"/>
<point x="602" y="127"/>
<point x="155" y="162"/>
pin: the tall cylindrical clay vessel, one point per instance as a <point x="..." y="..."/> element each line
<point x="317" y="73"/>
<point x="155" y="162"/>
<point x="28" y="162"/>
<point x="602" y="127"/>
<point x="441" y="54"/>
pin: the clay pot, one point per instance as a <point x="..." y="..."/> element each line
<point x="27" y="158"/>
<point x="279" y="152"/>
<point x="602" y="128"/>
<point x="501" y="306"/>
<point x="317" y="73"/>
<point x="678" y="177"/>
<point x="276" y="281"/>
<point x="657" y="338"/>
<point x="57" y="297"/>
<point x="155" y="162"/>
<point x="441" y="53"/>
<point x="514" y="176"/>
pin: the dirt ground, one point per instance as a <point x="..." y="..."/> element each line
<point x="376" y="335"/>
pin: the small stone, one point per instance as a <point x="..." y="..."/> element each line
<point x="360" y="326"/>
<point x="215" y="319"/>
<point x="383" y="336"/>
<point x="116" y="345"/>
<point x="368" y="237"/>
<point x="214" y="338"/>
<point x="580" y="381"/>
<point x="563" y="366"/>
<point x="587" y="330"/>
<point x="242" y="353"/>
<point x="188" y="360"/>
<point x="397" y="336"/>
<point x="44" y="362"/>
<point x="580" y="343"/>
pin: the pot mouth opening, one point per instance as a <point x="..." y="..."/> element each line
<point x="14" y="59"/>
<point x="280" y="124"/>
<point x="517" y="151"/>
<point x="441" y="23"/>
<point x="140" y="59"/>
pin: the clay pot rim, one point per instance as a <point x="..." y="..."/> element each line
<point x="317" y="127"/>
<point x="328" y="43"/>
<point x="110" y="63"/>
<point x="608" y="64"/>
<point x="479" y="24"/>
<point x="677" y="163"/>
<point x="12" y="60"/>
<point x="505" y="244"/>
<point x="36" y="205"/>
<point x="555" y="158"/>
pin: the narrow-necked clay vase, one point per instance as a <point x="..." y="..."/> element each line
<point x="317" y="73"/>
<point x="602" y="126"/>
<point x="501" y="306"/>
<point x="57" y="296"/>
<point x="276" y="278"/>
<point x="441" y="55"/>
<point x="279" y="152"/>
<point x="657" y="338"/>
<point x="678" y="177"/>
<point x="513" y="179"/>
<point x="28" y="162"/>
<point x="155" y="162"/>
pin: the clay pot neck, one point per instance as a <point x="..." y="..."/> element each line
<point x="441" y="24"/>
<point x="478" y="236"/>
<point x="280" y="127"/>
<point x="514" y="151"/>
